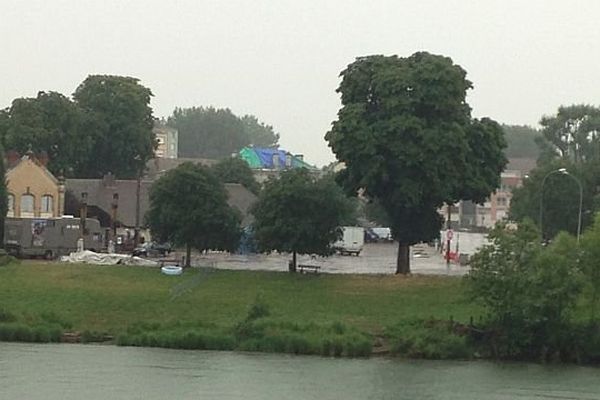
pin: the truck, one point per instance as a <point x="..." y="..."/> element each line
<point x="352" y="240"/>
<point x="50" y="237"/>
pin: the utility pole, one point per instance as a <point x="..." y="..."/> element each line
<point x="448" y="238"/>
<point x="136" y="235"/>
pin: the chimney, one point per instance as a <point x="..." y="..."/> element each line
<point x="108" y="181"/>
<point x="43" y="158"/>
<point x="12" y="158"/>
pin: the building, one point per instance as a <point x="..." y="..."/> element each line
<point x="497" y="206"/>
<point x="269" y="162"/>
<point x="123" y="203"/>
<point x="167" y="139"/>
<point x="33" y="192"/>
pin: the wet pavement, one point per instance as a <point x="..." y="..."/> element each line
<point x="376" y="258"/>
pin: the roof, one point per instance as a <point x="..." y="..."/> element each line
<point x="30" y="158"/>
<point x="522" y="164"/>
<point x="262" y="158"/>
<point x="100" y="193"/>
<point x="156" y="166"/>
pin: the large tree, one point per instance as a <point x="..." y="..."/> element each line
<point x="522" y="141"/>
<point x="553" y="196"/>
<point x="50" y="123"/>
<point x="121" y="107"/>
<point x="208" y="132"/>
<point x="407" y="139"/>
<point x="236" y="170"/>
<point x="258" y="133"/>
<point x="572" y="134"/>
<point x="188" y="207"/>
<point x="300" y="214"/>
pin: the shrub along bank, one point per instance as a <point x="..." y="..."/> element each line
<point x="329" y="315"/>
<point x="336" y="315"/>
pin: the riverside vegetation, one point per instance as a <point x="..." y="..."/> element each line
<point x="522" y="300"/>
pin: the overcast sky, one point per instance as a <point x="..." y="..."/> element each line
<point x="280" y="60"/>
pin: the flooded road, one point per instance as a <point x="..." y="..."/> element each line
<point x="376" y="258"/>
<point x="52" y="372"/>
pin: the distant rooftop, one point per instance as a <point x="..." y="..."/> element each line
<point x="272" y="158"/>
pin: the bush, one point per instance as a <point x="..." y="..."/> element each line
<point x="16" y="332"/>
<point x="528" y="290"/>
<point x="428" y="339"/>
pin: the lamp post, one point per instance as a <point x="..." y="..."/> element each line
<point x="562" y="171"/>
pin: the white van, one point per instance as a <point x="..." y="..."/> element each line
<point x="352" y="240"/>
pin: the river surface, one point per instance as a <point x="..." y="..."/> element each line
<point x="61" y="371"/>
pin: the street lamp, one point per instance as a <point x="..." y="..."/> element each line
<point x="562" y="171"/>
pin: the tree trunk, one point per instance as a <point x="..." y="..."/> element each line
<point x="292" y="266"/>
<point x="403" y="261"/>
<point x="188" y="255"/>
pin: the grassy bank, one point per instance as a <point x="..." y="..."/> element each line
<point x="324" y="314"/>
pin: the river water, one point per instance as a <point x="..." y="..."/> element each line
<point x="108" y="372"/>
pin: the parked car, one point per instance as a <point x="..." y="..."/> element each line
<point x="149" y="249"/>
<point x="384" y="234"/>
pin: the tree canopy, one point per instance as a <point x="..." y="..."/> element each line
<point x="125" y="140"/>
<point x="50" y="123"/>
<point x="570" y="140"/>
<point x="188" y="207"/>
<point x="299" y="213"/>
<point x="208" y="132"/>
<point x="106" y="128"/>
<point x="522" y="141"/>
<point x="236" y="170"/>
<point x="406" y="136"/>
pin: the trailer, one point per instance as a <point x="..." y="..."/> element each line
<point x="51" y="237"/>
<point x="352" y="240"/>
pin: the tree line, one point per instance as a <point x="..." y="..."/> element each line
<point x="107" y="126"/>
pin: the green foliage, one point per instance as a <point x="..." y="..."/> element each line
<point x="208" y="132"/>
<point x="572" y="134"/>
<point x="123" y="123"/>
<point x="107" y="128"/>
<point x="590" y="263"/>
<point x="560" y="197"/>
<point x="258" y="133"/>
<point x="18" y="332"/>
<point x="407" y="139"/>
<point x="300" y="213"/>
<point x="51" y="124"/>
<point x="236" y="170"/>
<point x="529" y="291"/>
<point x="188" y="206"/>
<point x="521" y="141"/>
<point x="429" y="339"/>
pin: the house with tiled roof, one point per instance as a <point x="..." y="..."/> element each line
<point x="33" y="192"/>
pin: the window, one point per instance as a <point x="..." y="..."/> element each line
<point x="11" y="205"/>
<point x="47" y="204"/>
<point x="27" y="203"/>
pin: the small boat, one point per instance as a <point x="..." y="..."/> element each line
<point x="171" y="270"/>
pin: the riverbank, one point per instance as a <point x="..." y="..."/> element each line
<point x="204" y="308"/>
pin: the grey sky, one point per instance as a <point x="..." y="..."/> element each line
<point x="280" y="60"/>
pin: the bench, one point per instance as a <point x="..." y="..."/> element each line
<point x="303" y="268"/>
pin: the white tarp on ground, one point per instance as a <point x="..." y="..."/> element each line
<point x="89" y="257"/>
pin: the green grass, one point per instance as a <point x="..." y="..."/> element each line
<point x="322" y="314"/>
